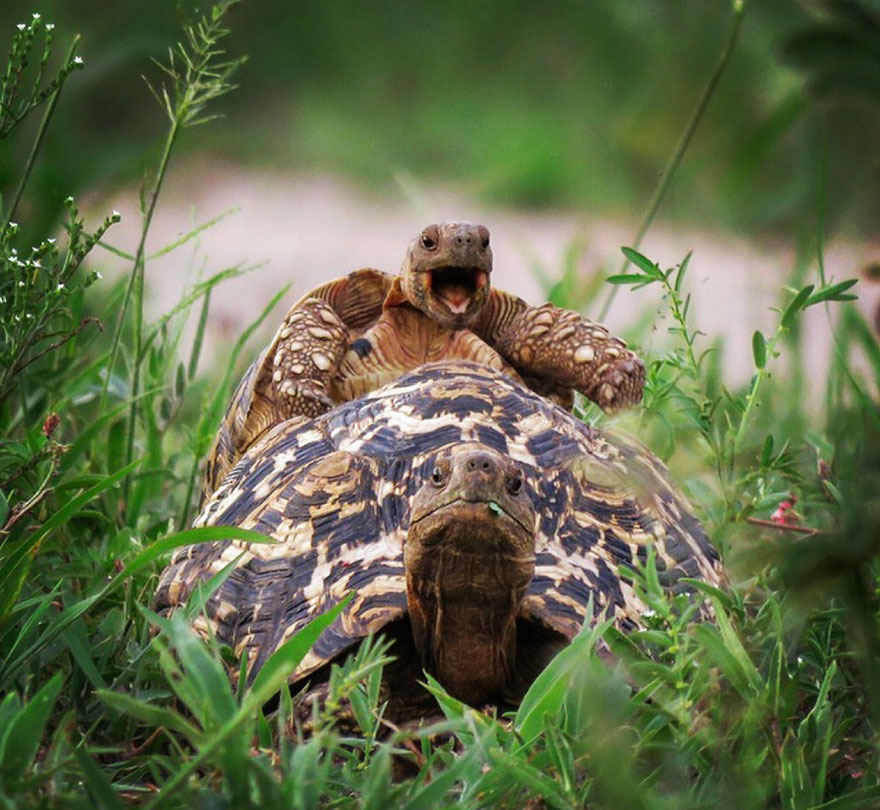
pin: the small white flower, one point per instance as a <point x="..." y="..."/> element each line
<point x="36" y="264"/>
<point x="78" y="60"/>
<point x="35" y="16"/>
<point x="17" y="318"/>
<point x="68" y="201"/>
<point x="21" y="26"/>
<point x="649" y="613"/>
<point x="14" y="252"/>
<point x="13" y="226"/>
<point x="2" y="299"/>
<point x="116" y="214"/>
<point x="60" y="287"/>
<point x="28" y="316"/>
<point x="98" y="275"/>
<point x="50" y="26"/>
<point x="51" y="240"/>
<point x="21" y="284"/>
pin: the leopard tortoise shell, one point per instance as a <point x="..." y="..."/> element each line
<point x="465" y="512"/>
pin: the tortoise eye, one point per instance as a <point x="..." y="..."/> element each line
<point x="437" y="476"/>
<point x="427" y="242"/>
<point x="514" y="483"/>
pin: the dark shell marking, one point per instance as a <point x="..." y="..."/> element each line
<point x="334" y="491"/>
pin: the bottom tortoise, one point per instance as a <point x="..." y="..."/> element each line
<point x="473" y="521"/>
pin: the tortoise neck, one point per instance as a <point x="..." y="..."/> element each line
<point x="464" y="595"/>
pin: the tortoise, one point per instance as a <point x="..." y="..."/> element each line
<point x="356" y="333"/>
<point x="474" y="521"/>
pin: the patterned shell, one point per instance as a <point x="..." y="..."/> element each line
<point x="335" y="491"/>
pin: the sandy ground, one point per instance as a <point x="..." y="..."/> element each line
<point x="305" y="229"/>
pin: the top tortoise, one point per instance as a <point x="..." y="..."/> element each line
<point x="352" y="335"/>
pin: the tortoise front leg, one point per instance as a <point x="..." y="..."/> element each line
<point x="569" y="350"/>
<point x="306" y="354"/>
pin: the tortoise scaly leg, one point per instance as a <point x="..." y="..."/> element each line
<point x="567" y="349"/>
<point x="304" y="359"/>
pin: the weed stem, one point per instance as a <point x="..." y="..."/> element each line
<point x="41" y="134"/>
<point x="681" y="148"/>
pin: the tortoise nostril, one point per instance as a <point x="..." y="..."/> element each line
<point x="481" y="462"/>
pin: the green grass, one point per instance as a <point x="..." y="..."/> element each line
<point x="105" y="417"/>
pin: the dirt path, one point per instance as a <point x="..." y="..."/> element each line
<point x="306" y="229"/>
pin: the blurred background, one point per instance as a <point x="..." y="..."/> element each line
<point x="355" y="124"/>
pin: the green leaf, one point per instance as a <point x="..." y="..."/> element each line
<point x="834" y="292"/>
<point x="546" y="695"/>
<point x="865" y="798"/>
<point x="376" y="790"/>
<point x="289" y="655"/>
<point x="97" y="784"/>
<point x="759" y="349"/>
<point x="795" y="786"/>
<point x="724" y="646"/>
<point x="629" y="278"/>
<point x="795" y="305"/>
<point x="192" y="234"/>
<point x="4" y="508"/>
<point x="201" y="534"/>
<point x="643" y="263"/>
<point x="10" y="706"/>
<point x="767" y="450"/>
<point x="679" y="276"/>
<point x="203" y="591"/>
<point x="77" y="642"/>
<point x="204" y="686"/>
<point x="85" y="436"/>
<point x="180" y="380"/>
<point x="199" y="336"/>
<point x="22" y="741"/>
<point x="453" y="708"/>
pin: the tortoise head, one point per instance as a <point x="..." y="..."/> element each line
<point x="445" y="273"/>
<point x="469" y="556"/>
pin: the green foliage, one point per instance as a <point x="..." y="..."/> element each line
<point x="764" y="694"/>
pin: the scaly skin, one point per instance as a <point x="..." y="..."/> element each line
<point x="357" y="333"/>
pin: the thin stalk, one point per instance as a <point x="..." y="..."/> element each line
<point x="190" y="491"/>
<point x="136" y="287"/>
<point x="752" y="398"/>
<point x="681" y="147"/>
<point x="137" y="269"/>
<point x="41" y="134"/>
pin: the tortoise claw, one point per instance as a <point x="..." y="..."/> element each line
<point x="303" y="398"/>
<point x="620" y="385"/>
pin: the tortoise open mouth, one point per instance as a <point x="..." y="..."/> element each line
<point x="456" y="286"/>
